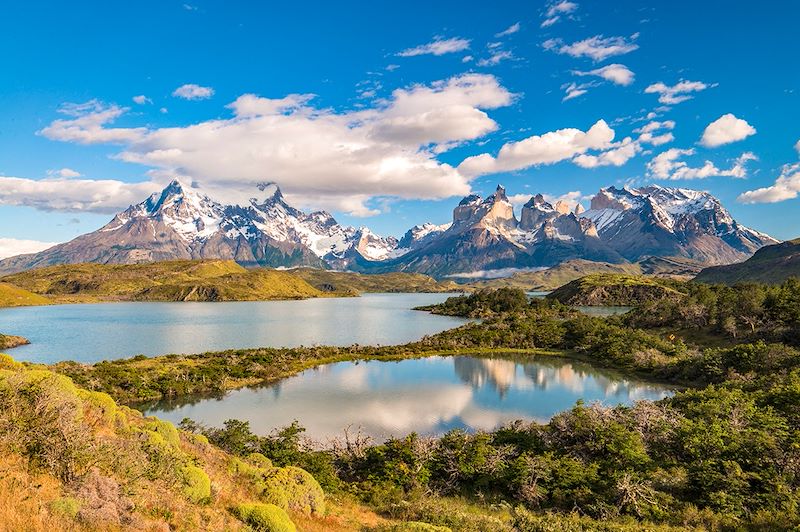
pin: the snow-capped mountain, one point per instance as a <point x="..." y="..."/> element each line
<point x="671" y="222"/>
<point x="622" y="225"/>
<point x="182" y="223"/>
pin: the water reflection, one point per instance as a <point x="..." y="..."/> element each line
<point x="429" y="396"/>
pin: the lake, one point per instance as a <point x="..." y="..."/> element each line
<point x="428" y="395"/>
<point x="105" y="331"/>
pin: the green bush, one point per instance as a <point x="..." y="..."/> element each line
<point x="294" y="488"/>
<point x="196" y="484"/>
<point x="413" y="526"/>
<point x="264" y="517"/>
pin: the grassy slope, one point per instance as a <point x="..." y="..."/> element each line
<point x="354" y="283"/>
<point x="62" y="472"/>
<point x="770" y="265"/>
<point x="14" y="296"/>
<point x="614" y="289"/>
<point x="215" y="280"/>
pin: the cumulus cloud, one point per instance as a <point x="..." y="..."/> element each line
<point x="141" y="99"/>
<point x="726" y="129"/>
<point x="616" y="156"/>
<point x="437" y="47"/>
<point x="514" y="28"/>
<point x="615" y="73"/>
<point x="656" y="133"/>
<point x="73" y="195"/>
<point x="191" y="91"/>
<point x="86" y="124"/>
<point x="667" y="165"/>
<point x="597" y="48"/>
<point x="10" y="247"/>
<point x="324" y="158"/>
<point x="786" y="186"/>
<point x="556" y="10"/>
<point x="549" y="148"/>
<point x="680" y="92"/>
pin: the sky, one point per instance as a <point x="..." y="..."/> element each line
<point x="387" y="114"/>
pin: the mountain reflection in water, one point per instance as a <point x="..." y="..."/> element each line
<point x="428" y="396"/>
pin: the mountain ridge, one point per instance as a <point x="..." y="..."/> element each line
<point x="622" y="225"/>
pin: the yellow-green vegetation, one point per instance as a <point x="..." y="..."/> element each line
<point x="356" y="283"/>
<point x="14" y="296"/>
<point x="100" y="466"/>
<point x="7" y="341"/>
<point x="264" y="517"/>
<point x="617" y="289"/>
<point x="559" y="275"/>
<point x="208" y="280"/>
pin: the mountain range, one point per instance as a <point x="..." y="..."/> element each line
<point x="622" y="225"/>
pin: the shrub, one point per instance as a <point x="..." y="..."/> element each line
<point x="294" y="488"/>
<point x="165" y="429"/>
<point x="264" y="517"/>
<point x="413" y="526"/>
<point x="196" y="484"/>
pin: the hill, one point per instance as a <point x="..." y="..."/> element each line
<point x="559" y="275"/>
<point x="770" y="265"/>
<point x="84" y="462"/>
<point x="355" y="283"/>
<point x="616" y="289"/>
<point x="213" y="280"/>
<point x="14" y="296"/>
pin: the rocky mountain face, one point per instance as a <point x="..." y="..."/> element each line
<point x="671" y="222"/>
<point x="622" y="225"/>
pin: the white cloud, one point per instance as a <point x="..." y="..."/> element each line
<point x="467" y="59"/>
<point x="549" y="148"/>
<point x="647" y="133"/>
<point x="597" y="48"/>
<point x="73" y="195"/>
<point x="573" y="90"/>
<point x="191" y="91"/>
<point x="141" y="99"/>
<point x="10" y="247"/>
<point x="615" y="73"/>
<point x="556" y="9"/>
<point x="437" y="47"/>
<point x="616" y="156"/>
<point x="786" y="186"/>
<point x="495" y="58"/>
<point x="63" y="172"/>
<point x="86" y="124"/>
<point x="680" y="92"/>
<point x="726" y="129"/>
<point x="667" y="165"/>
<point x="514" y="28"/>
<point x="324" y="158"/>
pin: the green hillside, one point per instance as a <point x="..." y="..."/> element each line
<point x="616" y="289"/>
<point x="213" y="280"/>
<point x="356" y="283"/>
<point x="770" y="265"/>
<point x="14" y="296"/>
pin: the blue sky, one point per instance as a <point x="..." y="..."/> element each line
<point x="403" y="96"/>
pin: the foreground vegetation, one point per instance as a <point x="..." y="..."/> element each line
<point x="720" y="455"/>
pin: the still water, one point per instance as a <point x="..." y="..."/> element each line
<point x="104" y="331"/>
<point x="428" y="395"/>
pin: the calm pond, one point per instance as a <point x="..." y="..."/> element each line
<point x="428" y="395"/>
<point x="105" y="331"/>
